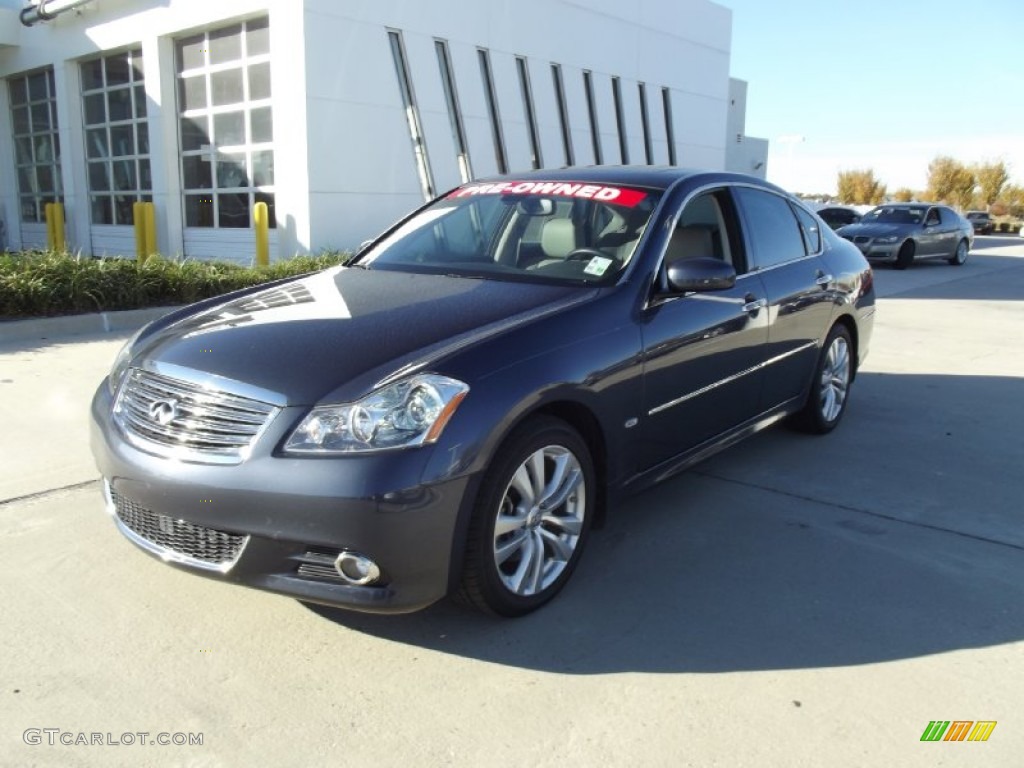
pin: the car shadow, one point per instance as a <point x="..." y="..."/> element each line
<point x="786" y="552"/>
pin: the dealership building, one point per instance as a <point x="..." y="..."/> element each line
<point x="340" y="115"/>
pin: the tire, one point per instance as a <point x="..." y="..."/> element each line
<point x="905" y="257"/>
<point x="514" y="571"/>
<point x="959" y="257"/>
<point x="830" y="387"/>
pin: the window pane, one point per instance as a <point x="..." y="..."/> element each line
<point x="92" y="75"/>
<point x="262" y="125"/>
<point x="37" y="87"/>
<point x="268" y="198"/>
<point x="194" y="133"/>
<point x="23" y="150"/>
<point x="119" y="104"/>
<point x="142" y="131"/>
<point x="27" y="179"/>
<point x="124" y="174"/>
<point x="259" y="81"/>
<point x="28" y="209"/>
<point x="258" y="37"/>
<point x="44" y="177"/>
<point x="44" y="149"/>
<point x="226" y="88"/>
<point x="263" y="168"/>
<point x="231" y="172"/>
<point x="118" y="72"/>
<point x="234" y="210"/>
<point x="226" y="44"/>
<point x="198" y="211"/>
<point x="99" y="177"/>
<point x="96" y="143"/>
<point x="191" y="52"/>
<point x="122" y="140"/>
<point x="138" y="73"/>
<point x="124" y="212"/>
<point x="196" y="170"/>
<point x="193" y="93"/>
<point x="145" y="175"/>
<point x="229" y="129"/>
<point x="773" y="228"/>
<point x="40" y="117"/>
<point x="95" y="109"/>
<point x="101" y="210"/>
<point x="20" y="117"/>
<point x="19" y="91"/>
<point x="140" y="101"/>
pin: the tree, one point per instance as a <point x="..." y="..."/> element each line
<point x="950" y="181"/>
<point x="903" y="195"/>
<point x="860" y="187"/>
<point x="1012" y="197"/>
<point x="991" y="177"/>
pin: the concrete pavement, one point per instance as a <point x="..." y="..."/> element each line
<point x="794" y="601"/>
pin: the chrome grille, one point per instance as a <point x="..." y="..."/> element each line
<point x="184" y="420"/>
<point x="178" y="540"/>
<point x="319" y="564"/>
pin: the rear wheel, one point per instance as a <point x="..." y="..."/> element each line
<point x="830" y="389"/>
<point x="960" y="255"/>
<point x="531" y="519"/>
<point x="905" y="257"/>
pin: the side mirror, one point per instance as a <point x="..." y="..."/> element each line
<point x="700" y="274"/>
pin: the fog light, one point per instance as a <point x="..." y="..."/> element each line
<point x="356" y="569"/>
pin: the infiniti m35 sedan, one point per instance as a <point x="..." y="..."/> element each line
<point x="455" y="411"/>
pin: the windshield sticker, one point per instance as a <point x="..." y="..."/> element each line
<point x="615" y="195"/>
<point x="597" y="266"/>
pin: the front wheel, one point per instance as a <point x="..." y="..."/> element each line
<point x="960" y="255"/>
<point x="905" y="256"/>
<point x="531" y="519"/>
<point x="830" y="389"/>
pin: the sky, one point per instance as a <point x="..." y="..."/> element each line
<point x="880" y="85"/>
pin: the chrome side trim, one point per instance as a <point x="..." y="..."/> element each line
<point x="730" y="379"/>
<point x="165" y="554"/>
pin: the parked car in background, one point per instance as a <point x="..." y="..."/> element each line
<point x="454" y="411"/>
<point x="981" y="221"/>
<point x="837" y="216"/>
<point x="904" y="232"/>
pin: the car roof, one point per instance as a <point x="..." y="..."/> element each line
<point x="652" y="176"/>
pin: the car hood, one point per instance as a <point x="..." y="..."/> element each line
<point x="877" y="229"/>
<point x="333" y="334"/>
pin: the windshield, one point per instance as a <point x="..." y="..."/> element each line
<point x="889" y="215"/>
<point x="571" y="232"/>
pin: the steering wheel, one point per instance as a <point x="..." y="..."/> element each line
<point x="585" y="254"/>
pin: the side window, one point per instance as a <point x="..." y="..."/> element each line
<point x="703" y="230"/>
<point x="810" y="230"/>
<point x="932" y="218"/>
<point x="773" y="230"/>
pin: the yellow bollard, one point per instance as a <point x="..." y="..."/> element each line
<point x="150" y="217"/>
<point x="139" y="222"/>
<point x="51" y="236"/>
<point x="261" y="217"/>
<point x="59" y="242"/>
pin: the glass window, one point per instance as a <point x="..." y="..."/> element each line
<point x="225" y="124"/>
<point x="645" y="122"/>
<point x="772" y="228"/>
<point x="531" y="118"/>
<point x="36" y="144"/>
<point x="500" y="157"/>
<point x="451" y="97"/>
<point x="810" y="229"/>
<point x="419" y="144"/>
<point x="595" y="133"/>
<point x="117" y="135"/>
<point x="563" y="114"/>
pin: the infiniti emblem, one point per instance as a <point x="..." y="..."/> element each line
<point x="163" y="411"/>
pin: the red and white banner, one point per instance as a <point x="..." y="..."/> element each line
<point x="614" y="195"/>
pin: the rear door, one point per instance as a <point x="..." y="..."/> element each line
<point x="785" y="245"/>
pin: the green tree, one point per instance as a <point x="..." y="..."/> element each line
<point x="1012" y="197"/>
<point x="991" y="177"/>
<point x="903" y="195"/>
<point x="950" y="181"/>
<point x="860" y="187"/>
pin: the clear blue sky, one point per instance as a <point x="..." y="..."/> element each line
<point x="881" y="85"/>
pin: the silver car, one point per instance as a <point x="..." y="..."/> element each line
<point x="903" y="232"/>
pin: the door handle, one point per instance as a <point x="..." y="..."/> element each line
<point x="823" y="279"/>
<point x="753" y="304"/>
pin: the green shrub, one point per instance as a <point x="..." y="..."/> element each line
<point x="40" y="283"/>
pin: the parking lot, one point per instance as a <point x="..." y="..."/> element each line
<point x="793" y="601"/>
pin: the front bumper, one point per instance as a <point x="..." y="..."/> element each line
<point x="285" y="515"/>
<point x="879" y="251"/>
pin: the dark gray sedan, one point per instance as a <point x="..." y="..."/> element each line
<point x="454" y="412"/>
<point x="904" y="232"/>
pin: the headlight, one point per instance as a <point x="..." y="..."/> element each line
<point x="407" y="413"/>
<point x="887" y="240"/>
<point x="124" y="357"/>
